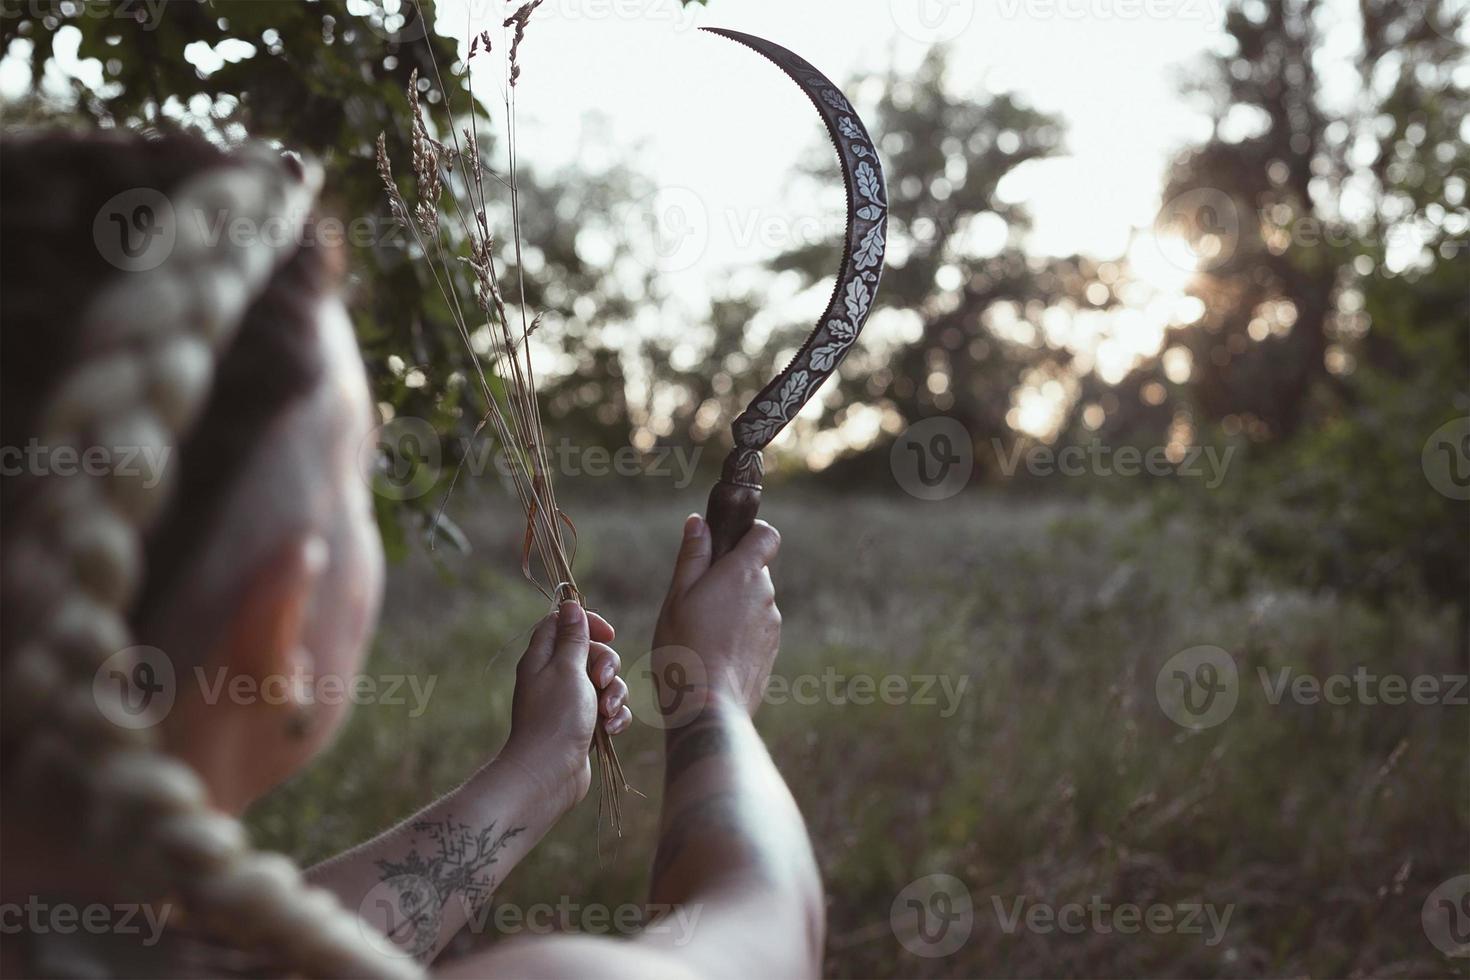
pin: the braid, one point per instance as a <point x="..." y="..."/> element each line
<point x="141" y="367"/>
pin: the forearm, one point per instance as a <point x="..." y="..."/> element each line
<point x="422" y="880"/>
<point x="732" y="844"/>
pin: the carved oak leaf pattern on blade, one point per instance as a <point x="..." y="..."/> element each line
<point x="857" y="279"/>
<point x="835" y="100"/>
<point x="870" y="253"/>
<point x="857" y="299"/>
<point x="790" y="394"/>
<point x="868" y="184"/>
<point x="825" y="358"/>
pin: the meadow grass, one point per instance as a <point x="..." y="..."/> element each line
<point x="1054" y="777"/>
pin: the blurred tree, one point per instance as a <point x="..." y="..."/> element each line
<point x="325" y="78"/>
<point x="954" y="253"/>
<point x="1331" y="237"/>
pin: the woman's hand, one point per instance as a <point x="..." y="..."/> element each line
<point x="719" y="628"/>
<point x="566" y="685"/>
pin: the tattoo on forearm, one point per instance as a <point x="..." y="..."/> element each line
<point x="416" y="888"/>
<point x="717" y="813"/>
<point x="688" y="745"/>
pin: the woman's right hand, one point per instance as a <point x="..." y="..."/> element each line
<point x="719" y="624"/>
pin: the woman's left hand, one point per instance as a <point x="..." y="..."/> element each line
<point x="567" y="683"/>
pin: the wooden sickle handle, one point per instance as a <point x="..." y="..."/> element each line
<point x="734" y="502"/>
<point x="731" y="512"/>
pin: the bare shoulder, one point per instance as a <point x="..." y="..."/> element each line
<point x="572" y="957"/>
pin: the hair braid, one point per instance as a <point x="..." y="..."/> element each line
<point x="74" y="565"/>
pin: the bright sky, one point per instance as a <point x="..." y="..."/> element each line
<point x="712" y="118"/>
<point x="720" y="132"/>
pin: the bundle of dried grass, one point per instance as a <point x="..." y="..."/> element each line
<point x="512" y="407"/>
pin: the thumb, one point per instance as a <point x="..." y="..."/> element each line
<point x="570" y="649"/>
<point x="694" y="555"/>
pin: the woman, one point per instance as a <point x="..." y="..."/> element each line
<point x="181" y="415"/>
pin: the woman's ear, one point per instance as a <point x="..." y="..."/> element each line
<point x="264" y="637"/>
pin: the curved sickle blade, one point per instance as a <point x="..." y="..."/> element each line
<point x="736" y="497"/>
<point x="862" y="254"/>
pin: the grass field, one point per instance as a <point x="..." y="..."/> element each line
<point x="1299" y="839"/>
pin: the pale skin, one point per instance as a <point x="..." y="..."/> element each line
<point x="298" y="596"/>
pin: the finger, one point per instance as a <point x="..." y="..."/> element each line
<point x="694" y="555"/>
<point x="613" y="697"/>
<point x="570" y="648"/>
<point x="601" y="630"/>
<point x="538" y="650"/>
<point x="602" y="663"/>
<point x="759" y="546"/>
<point x="619" y="722"/>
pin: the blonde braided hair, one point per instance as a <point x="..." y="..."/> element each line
<point x="72" y="570"/>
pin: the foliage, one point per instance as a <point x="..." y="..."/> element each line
<point x="1057" y="777"/>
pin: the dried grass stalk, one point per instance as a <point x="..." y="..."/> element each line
<point x="514" y="414"/>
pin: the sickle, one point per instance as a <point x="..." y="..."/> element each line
<point x="736" y="497"/>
